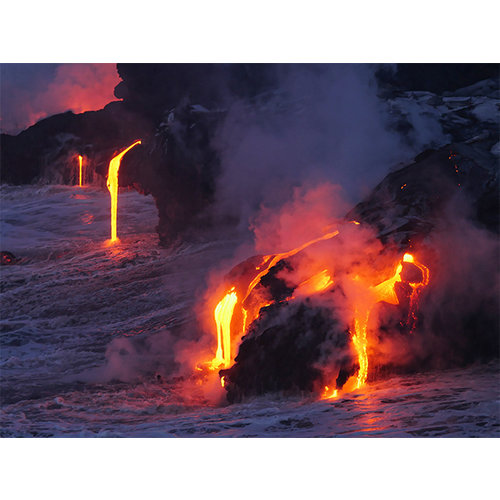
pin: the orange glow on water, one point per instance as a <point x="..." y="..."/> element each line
<point x="112" y="184"/>
<point x="329" y="394"/>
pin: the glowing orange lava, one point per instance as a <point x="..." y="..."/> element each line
<point x="224" y="310"/>
<point x="112" y="184"/>
<point x="80" y="163"/>
<point x="365" y="297"/>
<point x="383" y="292"/>
<point x="223" y="315"/>
<point x="416" y="289"/>
<point x="315" y="284"/>
<point x="285" y="255"/>
<point x="327" y="394"/>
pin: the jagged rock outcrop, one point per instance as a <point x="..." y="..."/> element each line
<point x="407" y="203"/>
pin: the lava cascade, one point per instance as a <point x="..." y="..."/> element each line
<point x="224" y="310"/>
<point x="112" y="184"/>
<point x="363" y="303"/>
<point x="80" y="165"/>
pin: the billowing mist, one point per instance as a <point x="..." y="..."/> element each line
<point x="32" y="92"/>
<point x="324" y="124"/>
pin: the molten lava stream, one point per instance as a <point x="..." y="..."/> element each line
<point x="385" y="292"/>
<point x="381" y="292"/>
<point x="80" y="163"/>
<point x="223" y="315"/>
<point x="416" y="289"/>
<point x="224" y="310"/>
<point x="284" y="255"/>
<point x="112" y="184"/>
<point x="360" y="342"/>
<point x="327" y="395"/>
<point x="315" y="284"/>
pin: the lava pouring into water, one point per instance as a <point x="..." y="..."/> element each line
<point x="80" y="164"/>
<point x="383" y="292"/>
<point x="361" y="293"/>
<point x="223" y="315"/>
<point x="112" y="184"/>
<point x="224" y="310"/>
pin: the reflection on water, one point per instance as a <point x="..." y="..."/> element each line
<point x="87" y="218"/>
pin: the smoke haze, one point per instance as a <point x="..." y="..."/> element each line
<point x="325" y="124"/>
<point x="30" y="92"/>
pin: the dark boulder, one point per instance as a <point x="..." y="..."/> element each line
<point x="406" y="205"/>
<point x="290" y="348"/>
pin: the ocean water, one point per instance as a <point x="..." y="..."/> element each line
<point x="90" y="335"/>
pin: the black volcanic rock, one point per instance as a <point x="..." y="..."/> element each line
<point x="286" y="348"/>
<point x="43" y="151"/>
<point x="407" y="203"/>
<point x="436" y="78"/>
<point x="290" y="348"/>
<point x="153" y="88"/>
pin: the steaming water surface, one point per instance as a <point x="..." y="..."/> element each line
<point x="72" y="296"/>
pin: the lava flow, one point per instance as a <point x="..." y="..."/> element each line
<point x="112" y="184"/>
<point x="225" y="308"/>
<point x="80" y="163"/>
<point x="383" y="292"/>
<point x="361" y="293"/>
<point x="416" y="289"/>
<point x="285" y="255"/>
<point x="223" y="316"/>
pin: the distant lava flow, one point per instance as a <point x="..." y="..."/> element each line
<point x="239" y="307"/>
<point x="112" y="183"/>
<point x="80" y="164"/>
